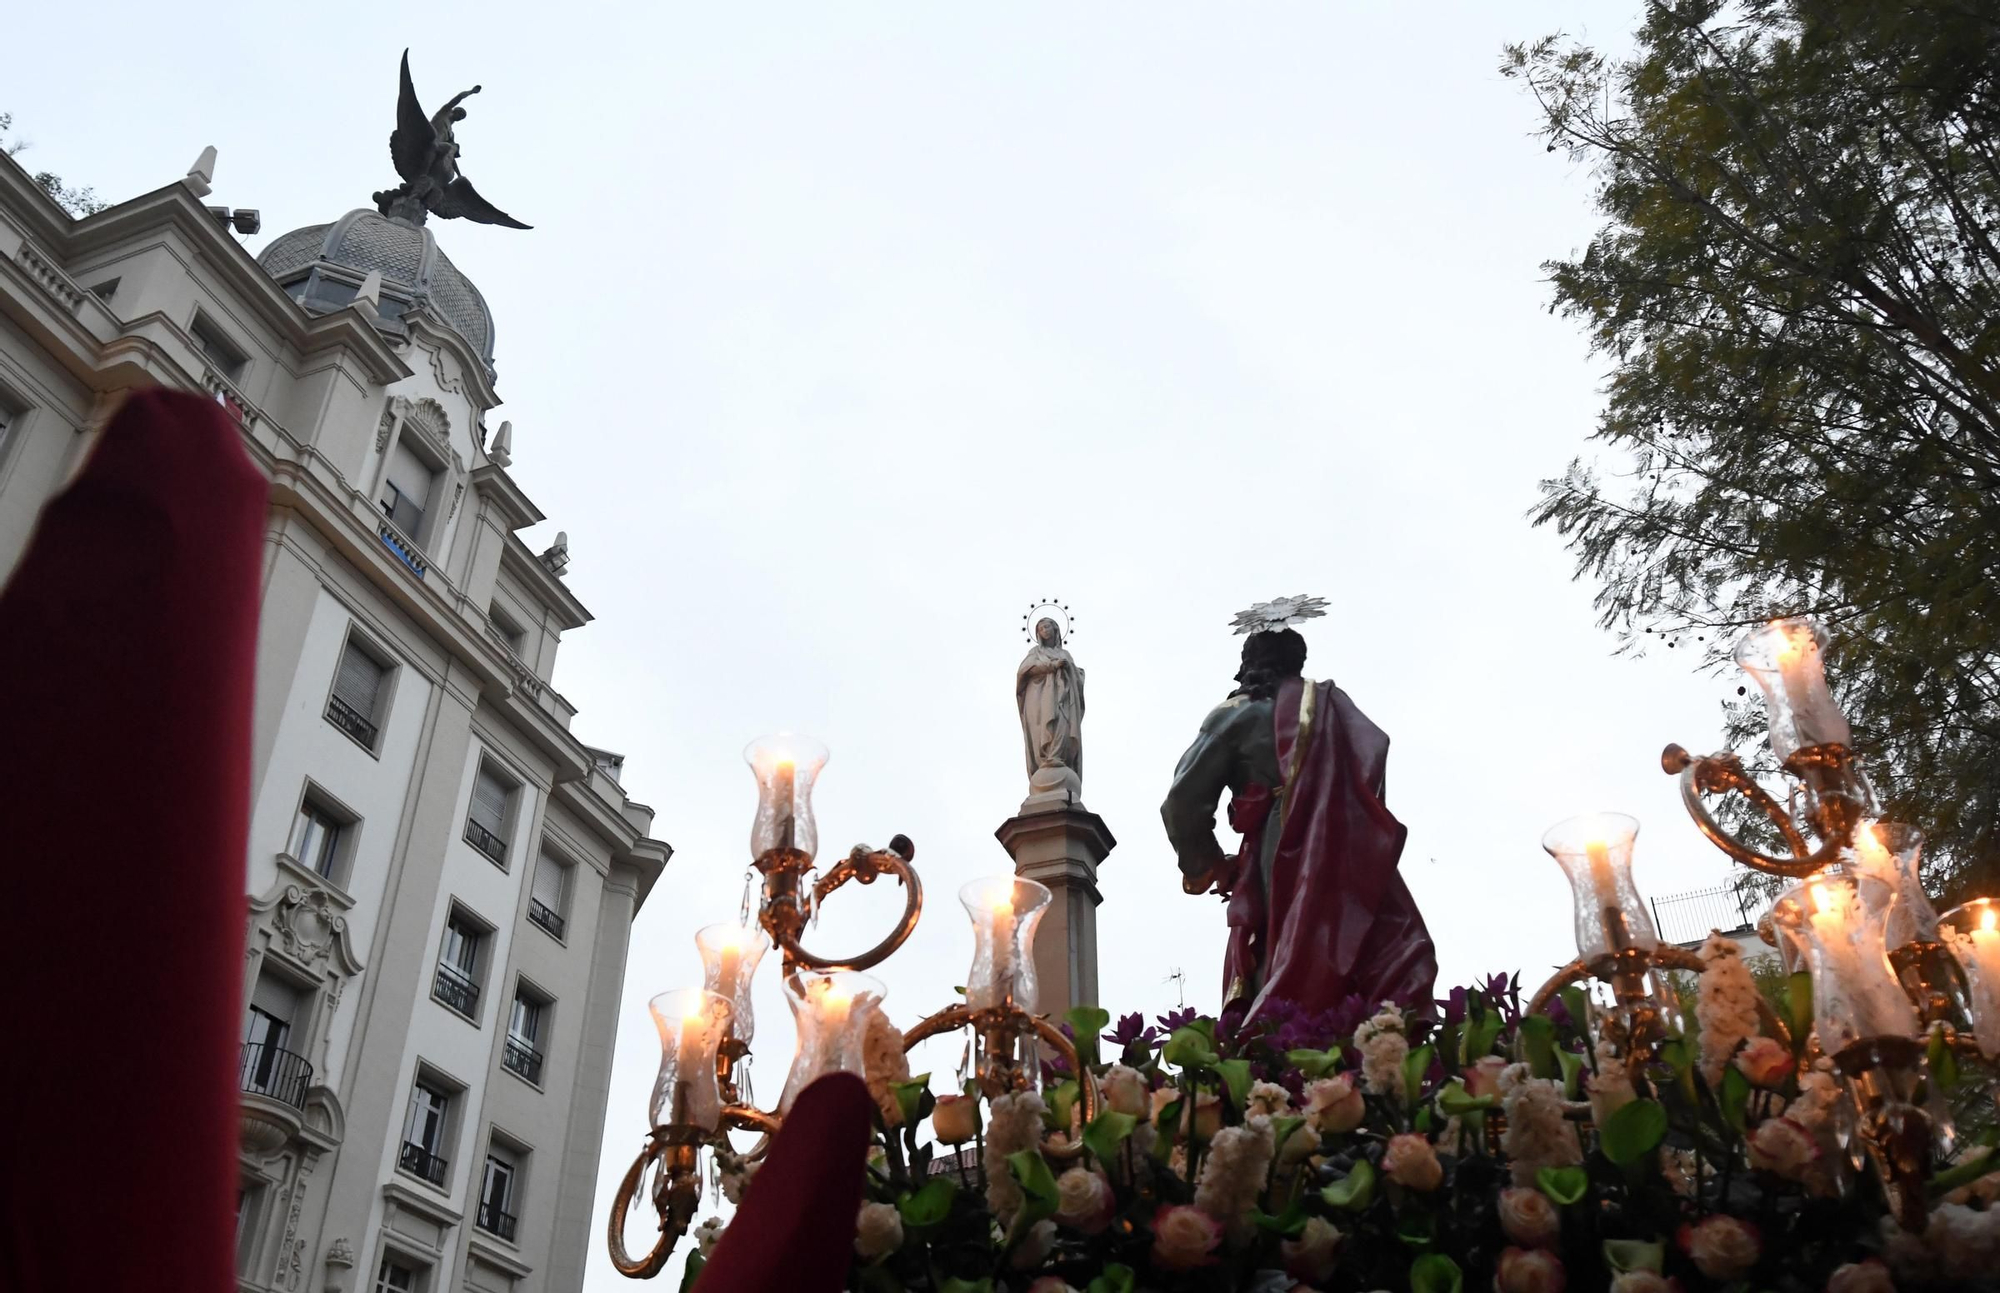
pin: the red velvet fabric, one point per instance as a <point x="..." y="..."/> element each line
<point x="795" y="1230"/>
<point x="1337" y="919"/>
<point x="127" y="651"/>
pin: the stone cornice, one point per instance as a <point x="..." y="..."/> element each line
<point x="518" y="561"/>
<point x="516" y="509"/>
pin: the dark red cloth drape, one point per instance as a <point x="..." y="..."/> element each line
<point x="1338" y="919"/>
<point x="127" y="653"/>
<point x="795" y="1230"/>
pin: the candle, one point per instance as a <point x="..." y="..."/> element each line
<point x="1003" y="945"/>
<point x="1604" y="882"/>
<point x="781" y="798"/>
<point x="1978" y="953"/>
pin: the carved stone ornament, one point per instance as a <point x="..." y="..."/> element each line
<point x="458" y="489"/>
<point x="308" y="927"/>
<point x="429" y="420"/>
<point x="446" y="381"/>
<point x="387" y="425"/>
<point x="340" y="1252"/>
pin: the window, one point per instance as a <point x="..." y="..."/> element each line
<point x="223" y="354"/>
<point x="320" y="836"/>
<point x="424" y="1133"/>
<point x="458" y="963"/>
<point x="526" y="1026"/>
<point x="396" y="1276"/>
<point x="486" y="820"/>
<point x="548" y="897"/>
<point x="496" y="1191"/>
<point x="269" y="1063"/>
<point x="355" y="707"/>
<point x="510" y="632"/>
<point x="406" y="491"/>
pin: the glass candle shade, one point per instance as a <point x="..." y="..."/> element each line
<point x="831" y="1013"/>
<point x="1972" y="932"/>
<point x="729" y="956"/>
<point x="785" y="765"/>
<point x="692" y="1023"/>
<point x="1005" y="910"/>
<point x="1892" y="853"/>
<point x="1856" y="996"/>
<point x="1786" y="660"/>
<point x="1595" y="852"/>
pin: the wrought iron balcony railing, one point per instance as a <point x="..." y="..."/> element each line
<point x="421" y="1162"/>
<point x="1730" y="907"/>
<point x="521" y="1057"/>
<point x="546" y="916"/>
<point x="495" y="1220"/>
<point x="405" y="551"/>
<point x="269" y="1070"/>
<point x="350" y="720"/>
<point x="486" y="841"/>
<point x="456" y="989"/>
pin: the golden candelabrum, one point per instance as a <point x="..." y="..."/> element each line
<point x="701" y="1095"/>
<point x="1889" y="974"/>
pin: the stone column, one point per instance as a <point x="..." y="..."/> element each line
<point x="1060" y="843"/>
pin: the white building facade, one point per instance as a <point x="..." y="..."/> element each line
<point x="441" y="878"/>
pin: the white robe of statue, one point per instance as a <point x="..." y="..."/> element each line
<point x="1048" y="687"/>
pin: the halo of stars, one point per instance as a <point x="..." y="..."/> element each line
<point x="1041" y="610"/>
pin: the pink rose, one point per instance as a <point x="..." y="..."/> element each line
<point x="955" y="1119"/>
<point x="1722" y="1248"/>
<point x="1483" y="1078"/>
<point x="1410" y="1162"/>
<point x="1310" y="1256"/>
<point x="1766" y="1061"/>
<point x="1332" y="1104"/>
<point x="1207" y="1116"/>
<point x="1124" y="1090"/>
<point x="1084" y="1200"/>
<point x="1184" y="1238"/>
<point x="1870" y="1276"/>
<point x="1783" y="1146"/>
<point x="1529" y="1219"/>
<point x="1528" y="1270"/>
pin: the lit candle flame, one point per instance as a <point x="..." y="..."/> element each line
<point x="1822" y="901"/>
<point x="1989" y="918"/>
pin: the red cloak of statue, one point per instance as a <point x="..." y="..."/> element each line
<point x="1337" y="920"/>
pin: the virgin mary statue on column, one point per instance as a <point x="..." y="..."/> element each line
<point x="1048" y="687"/>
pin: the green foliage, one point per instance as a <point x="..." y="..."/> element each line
<point x="1435" y="1273"/>
<point x="76" y="201"/>
<point x="1353" y="1192"/>
<point x="1535" y="1043"/>
<point x="929" y="1206"/>
<point x="1797" y="284"/>
<point x="1115" y="1279"/>
<point x="1107" y="1131"/>
<point x="1563" y="1185"/>
<point x="1633" y="1132"/>
<point x="1032" y="1172"/>
<point x="1088" y="1023"/>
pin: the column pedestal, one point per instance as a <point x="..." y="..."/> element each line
<point x="1060" y="843"/>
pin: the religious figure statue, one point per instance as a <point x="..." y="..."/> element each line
<point x="425" y="150"/>
<point x="1048" y="688"/>
<point x="1317" y="909"/>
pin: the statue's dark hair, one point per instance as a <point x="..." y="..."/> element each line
<point x="1269" y="659"/>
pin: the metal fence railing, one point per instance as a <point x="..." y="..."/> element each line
<point x="1731" y="907"/>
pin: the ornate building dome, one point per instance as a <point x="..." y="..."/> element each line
<point x="322" y="266"/>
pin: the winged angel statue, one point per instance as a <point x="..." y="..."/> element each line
<point x="426" y="153"/>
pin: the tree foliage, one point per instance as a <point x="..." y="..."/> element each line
<point x="1798" y="287"/>
<point x="77" y="201"/>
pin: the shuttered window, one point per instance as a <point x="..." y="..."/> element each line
<point x="406" y="491"/>
<point x="551" y="883"/>
<point x="357" y="695"/>
<point x="485" y="820"/>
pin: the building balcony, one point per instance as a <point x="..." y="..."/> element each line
<point x="521" y="1058"/>
<point x="1734" y="907"/>
<point x="422" y="1164"/>
<point x="495" y="1220"/>
<point x="405" y="551"/>
<point x="486" y="842"/>
<point x="350" y="720"/>
<point x="273" y="1082"/>
<point x="456" y="989"/>
<point x="546" y="916"/>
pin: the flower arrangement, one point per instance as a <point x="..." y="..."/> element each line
<point x="1463" y="1146"/>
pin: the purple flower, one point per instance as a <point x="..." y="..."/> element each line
<point x="1131" y="1028"/>
<point x="1178" y="1019"/>
<point x="1454" y="1006"/>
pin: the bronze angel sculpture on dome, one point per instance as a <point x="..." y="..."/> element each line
<point x="425" y="150"/>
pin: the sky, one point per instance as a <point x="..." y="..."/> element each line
<point x="846" y="332"/>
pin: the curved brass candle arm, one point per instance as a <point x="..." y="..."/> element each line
<point x="1010" y="1020"/>
<point x="1723" y="773"/>
<point x="1664" y="957"/>
<point x="677" y="1188"/>
<point x="783" y="918"/>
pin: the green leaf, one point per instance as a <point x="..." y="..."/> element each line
<point x="1633" y="1132"/>
<point x="1057" y="1101"/>
<point x="953" y="1284"/>
<point x="1436" y="1273"/>
<point x="1236" y="1076"/>
<point x="1976" y="1163"/>
<point x="694" y="1264"/>
<point x="1454" y="1101"/>
<point x="1943" y="1063"/>
<point x="1190" y="1047"/>
<point x="1734" y="1098"/>
<point x="910" y="1098"/>
<point x="1536" y="1043"/>
<point x="1314" y="1064"/>
<point x="1106" y="1132"/>
<point x="1623" y="1255"/>
<point x="1565" y="1186"/>
<point x="1799" y="1005"/>
<point x="1422" y="1122"/>
<point x="1577" y="1002"/>
<point x="1353" y="1192"/>
<point x="1287" y="1225"/>
<point x="1031" y="1170"/>
<point x="1416" y="1229"/>
<point x="1571" y="1064"/>
<point x="1168" y="1122"/>
<point x="930" y="1205"/>
<point x="1113" y="1279"/>
<point x="1282" y="1130"/>
<point x="1479" y="1037"/>
<point x="1087" y="1022"/>
<point x="1415" y="1065"/>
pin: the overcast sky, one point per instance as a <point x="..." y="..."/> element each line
<point x="845" y="332"/>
